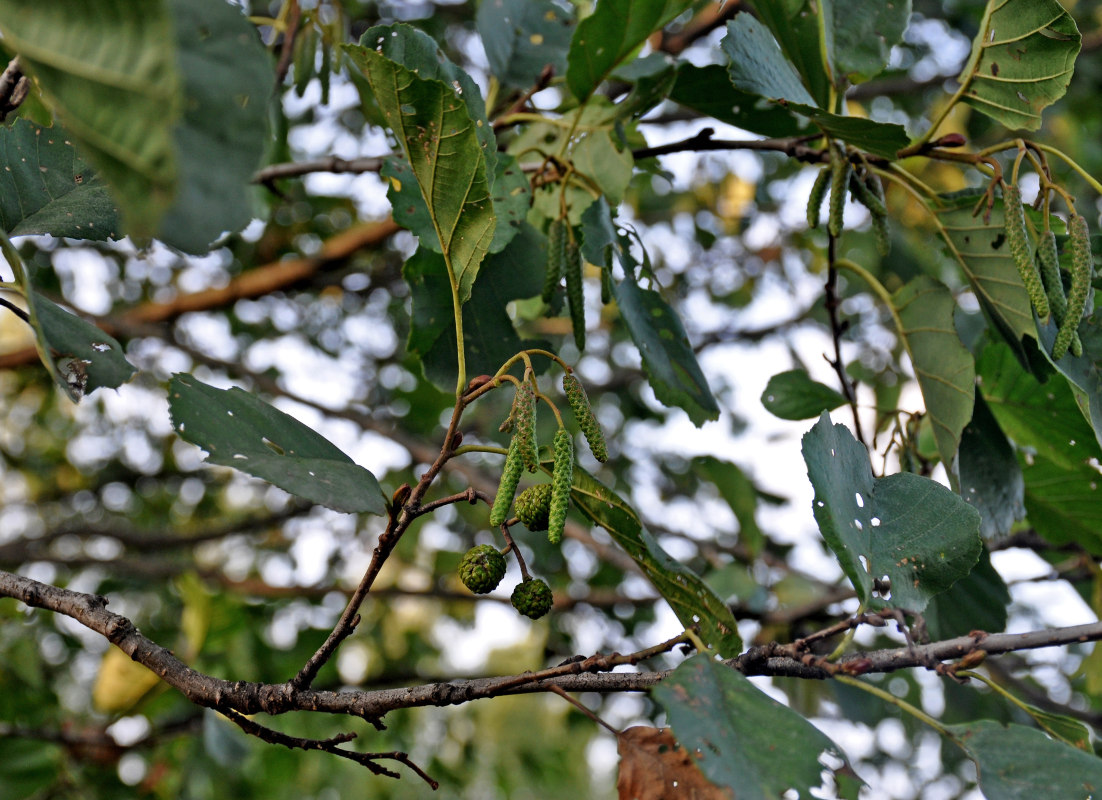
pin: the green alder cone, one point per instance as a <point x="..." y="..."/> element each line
<point x="525" y="422"/>
<point x="482" y="568"/>
<point x="533" y="506"/>
<point x="815" y="199"/>
<point x="556" y="237"/>
<point x="572" y="265"/>
<point x="1017" y="238"/>
<point x="562" y="477"/>
<point x="1081" y="268"/>
<point x="583" y="413"/>
<point x="532" y="598"/>
<point x="510" y="477"/>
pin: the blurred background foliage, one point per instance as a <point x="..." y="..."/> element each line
<point x="243" y="581"/>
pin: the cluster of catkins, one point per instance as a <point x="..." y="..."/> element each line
<point x="540" y="507"/>
<point x="864" y="186"/>
<point x="1040" y="271"/>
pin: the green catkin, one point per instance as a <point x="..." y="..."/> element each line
<point x="815" y="199"/>
<point x="583" y="413"/>
<point x="1081" y="268"/>
<point x="509" y="422"/>
<point x="869" y="193"/>
<point x="510" y="477"/>
<point x="1017" y="238"/>
<point x="572" y="265"/>
<point x="839" y="179"/>
<point x="1049" y="263"/>
<point x="562" y="477"/>
<point x="606" y="285"/>
<point x="525" y="425"/>
<point x="864" y="194"/>
<point x="556" y="238"/>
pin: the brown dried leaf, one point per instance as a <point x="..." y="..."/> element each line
<point x="654" y="767"/>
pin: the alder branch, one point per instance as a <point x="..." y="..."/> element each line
<point x="588" y="674"/>
<point x="794" y="147"/>
<point x="333" y="164"/>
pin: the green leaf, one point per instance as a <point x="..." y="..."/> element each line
<point x="78" y="355"/>
<point x="1042" y="418"/>
<point x="979" y="247"/>
<point x="419" y="53"/>
<point x="30" y="769"/>
<point x="688" y="595"/>
<point x="708" y="90"/>
<point x="110" y="71"/>
<point x="793" y="395"/>
<point x="1019" y="763"/>
<point x="1085" y="371"/>
<point x="757" y="66"/>
<point x="944" y="367"/>
<point x="738" y="491"/>
<point x="240" y="431"/>
<point x="488" y="332"/>
<point x="1066" y="729"/>
<point x="744" y="739"/>
<point x="1022" y="60"/>
<point x="227" y="78"/>
<point x="795" y="24"/>
<point x="441" y="142"/>
<point x="609" y="35"/>
<point x="598" y="234"/>
<point x="668" y="358"/>
<point x="977" y="601"/>
<point x="904" y="527"/>
<point x="597" y="157"/>
<point x="46" y="188"/>
<point x="862" y="34"/>
<point x="511" y="196"/>
<point x="990" y="478"/>
<point x="1063" y="504"/>
<point x="521" y="37"/>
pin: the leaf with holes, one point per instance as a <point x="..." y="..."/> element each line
<point x="1022" y="60"/>
<point x="243" y="432"/>
<point x="978" y="245"/>
<point x="45" y="187"/>
<point x="78" y="355"/>
<point x="694" y="603"/>
<point x="945" y="369"/>
<point x="746" y="740"/>
<point x="907" y="529"/>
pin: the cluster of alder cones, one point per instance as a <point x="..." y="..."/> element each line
<point x="541" y="507"/>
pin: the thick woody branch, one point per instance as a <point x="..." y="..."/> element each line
<point x="589" y="674"/>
